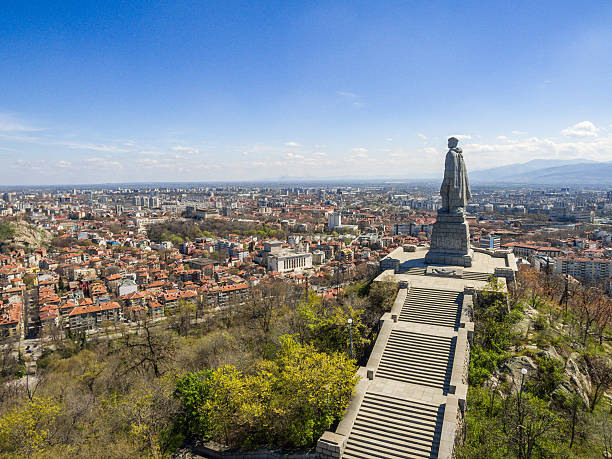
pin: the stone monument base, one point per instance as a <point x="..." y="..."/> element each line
<point x="450" y="241"/>
<point x="444" y="258"/>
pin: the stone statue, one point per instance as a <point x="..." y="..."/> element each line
<point x="450" y="235"/>
<point x="455" y="189"/>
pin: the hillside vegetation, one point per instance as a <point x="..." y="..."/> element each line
<point x="177" y="231"/>
<point x="560" y="333"/>
<point x="275" y="371"/>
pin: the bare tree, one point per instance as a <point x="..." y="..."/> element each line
<point x="583" y="305"/>
<point x="148" y="349"/>
<point x="600" y="371"/>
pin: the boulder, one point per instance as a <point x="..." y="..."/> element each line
<point x="550" y="353"/>
<point x="515" y="364"/>
<point x="577" y="377"/>
<point x="526" y="324"/>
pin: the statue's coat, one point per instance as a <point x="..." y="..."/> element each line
<point x="455" y="189"/>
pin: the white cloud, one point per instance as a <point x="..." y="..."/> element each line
<point x="63" y="164"/>
<point x="103" y="163"/>
<point x="360" y="150"/>
<point x="582" y="129"/>
<point x="152" y="153"/>
<point x="319" y="154"/>
<point x="515" y="132"/>
<point x="292" y="144"/>
<point x="36" y="165"/>
<point x="148" y="162"/>
<point x="294" y="156"/>
<point x="348" y="95"/>
<point x="429" y="151"/>
<point x="520" y="151"/>
<point x="354" y="99"/>
<point x="94" y="147"/>
<point x="389" y="139"/>
<point x="188" y="150"/>
<point x="9" y="124"/>
<point x="422" y="136"/>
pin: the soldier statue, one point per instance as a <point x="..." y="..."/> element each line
<point x="455" y="189"/>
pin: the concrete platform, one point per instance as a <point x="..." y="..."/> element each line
<point x="500" y="263"/>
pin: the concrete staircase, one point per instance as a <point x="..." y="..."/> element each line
<point x="472" y="275"/>
<point x="432" y="307"/>
<point x="390" y="427"/>
<point x="411" y="394"/>
<point x="418" y="359"/>
<point x="415" y="271"/>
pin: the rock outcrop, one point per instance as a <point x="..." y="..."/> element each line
<point x="25" y="235"/>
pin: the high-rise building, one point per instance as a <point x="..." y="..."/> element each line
<point x="334" y="220"/>
<point x="594" y="269"/>
<point x="490" y="242"/>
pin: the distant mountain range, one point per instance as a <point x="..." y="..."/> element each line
<point x="548" y="172"/>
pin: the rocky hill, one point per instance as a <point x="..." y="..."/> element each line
<point x="20" y="234"/>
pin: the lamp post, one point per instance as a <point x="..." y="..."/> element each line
<point x="350" y="324"/>
<point x="520" y="413"/>
<point x="523" y="373"/>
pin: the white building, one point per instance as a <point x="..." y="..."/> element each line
<point x="596" y="269"/>
<point x="288" y="260"/>
<point x="126" y="287"/>
<point x="334" y="220"/>
<point x="490" y="242"/>
<point x="318" y="257"/>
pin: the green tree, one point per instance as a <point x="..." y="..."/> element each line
<point x="193" y="390"/>
<point x="6" y="231"/>
<point x="309" y="391"/>
<point x="382" y="295"/>
<point x="26" y="429"/>
<point x="484" y="437"/>
<point x="224" y="405"/>
<point x="29" y="280"/>
<point x="546" y="380"/>
<point x="531" y="427"/>
<point x="327" y="325"/>
<point x="492" y="335"/>
<point x="290" y="400"/>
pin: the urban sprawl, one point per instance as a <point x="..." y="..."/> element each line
<point x="86" y="259"/>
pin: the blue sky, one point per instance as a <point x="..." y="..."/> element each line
<point x="95" y="92"/>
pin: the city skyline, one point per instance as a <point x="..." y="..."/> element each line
<point x="181" y="92"/>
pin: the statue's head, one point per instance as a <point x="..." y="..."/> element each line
<point x="453" y="142"/>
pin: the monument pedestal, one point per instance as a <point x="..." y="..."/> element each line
<point x="450" y="241"/>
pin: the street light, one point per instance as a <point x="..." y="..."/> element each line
<point x="520" y="413"/>
<point x="523" y="373"/>
<point x="350" y="322"/>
